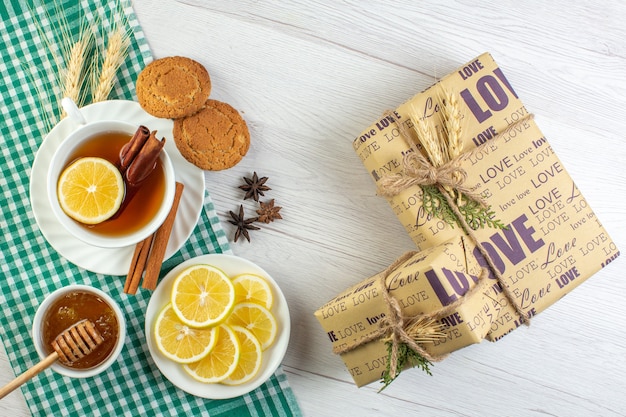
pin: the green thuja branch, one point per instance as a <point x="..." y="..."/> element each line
<point x="406" y="356"/>
<point x="435" y="204"/>
<point x="476" y="216"/>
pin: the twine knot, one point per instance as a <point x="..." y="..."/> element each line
<point x="417" y="170"/>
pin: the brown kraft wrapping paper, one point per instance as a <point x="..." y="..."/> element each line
<point x="423" y="282"/>
<point x="553" y="240"/>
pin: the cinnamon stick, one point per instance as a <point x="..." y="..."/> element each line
<point x="133" y="147"/>
<point x="161" y="237"/>
<point x="137" y="265"/>
<point x="144" y="161"/>
<point x="137" y="160"/>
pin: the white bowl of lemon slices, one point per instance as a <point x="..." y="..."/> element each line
<point x="217" y="326"/>
<point x="87" y="192"/>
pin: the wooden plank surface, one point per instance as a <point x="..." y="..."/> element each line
<point x="308" y="76"/>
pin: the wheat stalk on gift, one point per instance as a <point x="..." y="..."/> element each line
<point x="114" y="56"/>
<point x="451" y="121"/>
<point x="441" y="149"/>
<point x="451" y="115"/>
<point x="425" y="329"/>
<point x="435" y="149"/>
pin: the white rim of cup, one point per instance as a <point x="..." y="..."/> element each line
<point x="38" y="322"/>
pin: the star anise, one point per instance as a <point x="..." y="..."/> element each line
<point x="243" y="224"/>
<point x="268" y="213"/>
<point x="254" y="187"/>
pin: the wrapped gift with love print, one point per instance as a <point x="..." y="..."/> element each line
<point x="464" y="159"/>
<point x="438" y="296"/>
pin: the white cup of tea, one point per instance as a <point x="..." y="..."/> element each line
<point x="136" y="220"/>
<point x="67" y="306"/>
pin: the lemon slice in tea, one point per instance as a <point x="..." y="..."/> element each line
<point x="178" y="341"/>
<point x="202" y="296"/>
<point x="90" y="190"/>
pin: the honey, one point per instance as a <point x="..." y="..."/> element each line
<point x="137" y="211"/>
<point x="73" y="307"/>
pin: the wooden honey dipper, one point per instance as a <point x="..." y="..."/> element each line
<point x="74" y="343"/>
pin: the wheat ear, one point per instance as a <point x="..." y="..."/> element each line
<point x="428" y="138"/>
<point x="452" y="122"/>
<point x="425" y="329"/>
<point x="115" y="55"/>
<point x="74" y="72"/>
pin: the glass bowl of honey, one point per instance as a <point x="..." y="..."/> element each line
<point x="145" y="204"/>
<point x="66" y="307"/>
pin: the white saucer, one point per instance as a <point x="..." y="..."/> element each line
<point x="272" y="357"/>
<point x="103" y="260"/>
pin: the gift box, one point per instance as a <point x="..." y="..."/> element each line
<point x="551" y="241"/>
<point x="444" y="284"/>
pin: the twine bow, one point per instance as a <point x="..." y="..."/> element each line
<point x="417" y="170"/>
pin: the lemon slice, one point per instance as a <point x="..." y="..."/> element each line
<point x="180" y="342"/>
<point x="202" y="296"/>
<point x="257" y="319"/>
<point x="90" y="190"/>
<point x="221" y="362"/>
<point x="249" y="360"/>
<point x="251" y="288"/>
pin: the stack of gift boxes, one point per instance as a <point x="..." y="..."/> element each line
<point x="552" y="241"/>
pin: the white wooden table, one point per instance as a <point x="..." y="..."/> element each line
<point x="308" y="76"/>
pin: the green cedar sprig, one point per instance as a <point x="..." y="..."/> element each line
<point x="435" y="204"/>
<point x="476" y="216"/>
<point x="406" y="356"/>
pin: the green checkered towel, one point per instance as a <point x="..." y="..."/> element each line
<point x="31" y="45"/>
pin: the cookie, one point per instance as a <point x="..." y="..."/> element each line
<point x="173" y="87"/>
<point x="214" y="138"/>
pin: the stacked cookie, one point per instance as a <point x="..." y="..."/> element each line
<point x="208" y="133"/>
